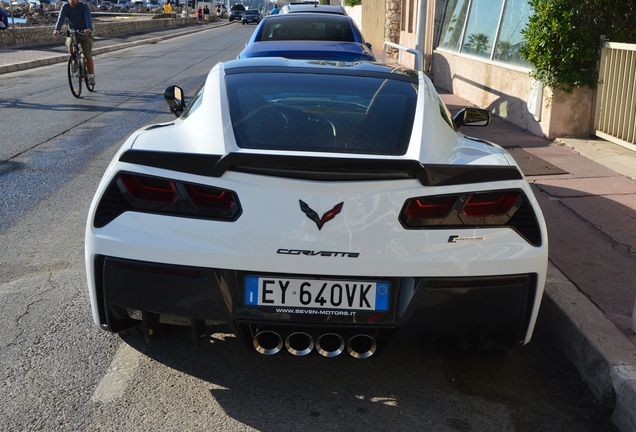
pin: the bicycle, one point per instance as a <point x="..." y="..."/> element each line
<point x="76" y="67"/>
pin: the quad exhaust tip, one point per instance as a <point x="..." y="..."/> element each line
<point x="299" y="344"/>
<point x="268" y="342"/>
<point x="330" y="345"/>
<point x="361" y="346"/>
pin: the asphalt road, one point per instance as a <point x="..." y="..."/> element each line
<point x="60" y="372"/>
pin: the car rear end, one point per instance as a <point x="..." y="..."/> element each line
<point x="316" y="221"/>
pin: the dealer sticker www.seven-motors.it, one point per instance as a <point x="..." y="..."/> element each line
<point x="328" y="294"/>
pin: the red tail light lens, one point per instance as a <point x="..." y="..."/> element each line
<point x="148" y="190"/>
<point x="207" y="199"/>
<point x="490" y="208"/>
<point x="428" y="211"/>
<point x="168" y="197"/>
<point x="490" y="204"/>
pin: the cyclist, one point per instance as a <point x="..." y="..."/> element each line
<point x="79" y="19"/>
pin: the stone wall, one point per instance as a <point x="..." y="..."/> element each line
<point x="44" y="34"/>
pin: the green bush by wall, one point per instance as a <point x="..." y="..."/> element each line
<point x="563" y="38"/>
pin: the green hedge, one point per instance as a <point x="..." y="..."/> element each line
<point x="563" y="37"/>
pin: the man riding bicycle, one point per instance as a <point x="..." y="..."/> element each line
<point x="79" y="19"/>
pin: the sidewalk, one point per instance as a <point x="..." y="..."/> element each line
<point x="587" y="191"/>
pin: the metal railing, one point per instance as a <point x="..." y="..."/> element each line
<point x="418" y="55"/>
<point x="615" y="110"/>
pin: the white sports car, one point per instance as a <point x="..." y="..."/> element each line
<point x="316" y="206"/>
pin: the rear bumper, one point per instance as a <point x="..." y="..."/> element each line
<point x="499" y="306"/>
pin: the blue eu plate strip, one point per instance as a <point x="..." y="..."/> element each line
<point x="382" y="296"/>
<point x="251" y="291"/>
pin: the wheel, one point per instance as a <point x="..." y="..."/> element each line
<point x="74" y="77"/>
<point x="90" y="87"/>
<point x="243" y="22"/>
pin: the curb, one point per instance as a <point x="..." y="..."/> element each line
<point x="604" y="357"/>
<point x="96" y="51"/>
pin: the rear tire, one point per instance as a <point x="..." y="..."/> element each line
<point x="74" y="78"/>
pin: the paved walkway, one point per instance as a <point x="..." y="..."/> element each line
<point x="587" y="192"/>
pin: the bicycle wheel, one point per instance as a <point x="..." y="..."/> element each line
<point x="74" y="76"/>
<point x="90" y="87"/>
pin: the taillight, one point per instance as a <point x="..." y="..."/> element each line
<point x="168" y="197"/>
<point x="148" y="192"/>
<point x="494" y="208"/>
<point x="498" y="208"/>
<point x="212" y="201"/>
<point x="428" y="210"/>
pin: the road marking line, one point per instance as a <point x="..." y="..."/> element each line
<point x="120" y="371"/>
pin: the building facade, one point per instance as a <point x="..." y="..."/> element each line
<point x="476" y="56"/>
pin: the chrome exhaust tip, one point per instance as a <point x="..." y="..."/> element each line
<point x="299" y="344"/>
<point x="330" y="345"/>
<point x="267" y="342"/>
<point x="362" y="346"/>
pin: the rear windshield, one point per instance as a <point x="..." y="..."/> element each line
<point x="321" y="112"/>
<point x="308" y="27"/>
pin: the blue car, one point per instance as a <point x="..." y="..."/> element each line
<point x="315" y="36"/>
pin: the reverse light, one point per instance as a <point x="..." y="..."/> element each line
<point x="134" y="192"/>
<point x="498" y="208"/>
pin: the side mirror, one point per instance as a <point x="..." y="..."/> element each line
<point x="175" y="99"/>
<point x="368" y="44"/>
<point x="471" y="117"/>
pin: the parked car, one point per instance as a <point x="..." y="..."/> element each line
<point x="123" y="5"/>
<point x="236" y="12"/>
<point x="153" y="4"/>
<point x="104" y="5"/>
<point x="311" y="36"/>
<point x="251" y="16"/>
<point x="312" y="8"/>
<point x="316" y="208"/>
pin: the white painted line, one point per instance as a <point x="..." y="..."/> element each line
<point x="120" y="371"/>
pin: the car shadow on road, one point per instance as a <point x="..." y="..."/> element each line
<point x="402" y="388"/>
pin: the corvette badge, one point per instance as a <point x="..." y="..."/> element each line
<point x="320" y="221"/>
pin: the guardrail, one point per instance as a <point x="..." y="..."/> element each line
<point x="418" y="55"/>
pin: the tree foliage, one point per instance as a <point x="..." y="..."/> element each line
<point x="563" y="38"/>
<point x="353" y="2"/>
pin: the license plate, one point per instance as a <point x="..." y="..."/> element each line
<point x="318" y="294"/>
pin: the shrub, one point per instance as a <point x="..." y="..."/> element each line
<point x="563" y="38"/>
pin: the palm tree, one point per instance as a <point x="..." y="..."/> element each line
<point x="477" y="43"/>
